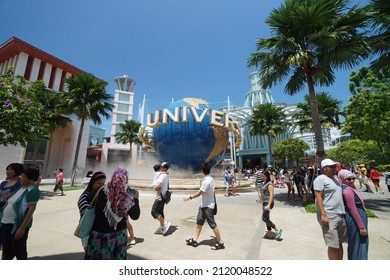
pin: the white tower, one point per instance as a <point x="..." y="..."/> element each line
<point x="257" y="94"/>
<point x="124" y="102"/>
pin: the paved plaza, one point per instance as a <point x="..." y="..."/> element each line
<point x="51" y="237"/>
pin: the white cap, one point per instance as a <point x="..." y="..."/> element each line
<point x="328" y="162"/>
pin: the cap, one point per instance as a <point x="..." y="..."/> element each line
<point x="328" y="162"/>
<point x="165" y="165"/>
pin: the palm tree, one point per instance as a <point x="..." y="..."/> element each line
<point x="310" y="39"/>
<point x="267" y="119"/>
<point x="328" y="107"/>
<point x="89" y="100"/>
<point x="128" y="134"/>
<point x="380" y="42"/>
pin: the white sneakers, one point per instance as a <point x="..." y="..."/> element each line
<point x="160" y="230"/>
<point x="163" y="229"/>
<point x="166" y="227"/>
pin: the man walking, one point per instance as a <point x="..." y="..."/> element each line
<point x="206" y="209"/>
<point x="331" y="211"/>
<point x="161" y="187"/>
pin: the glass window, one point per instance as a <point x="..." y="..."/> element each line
<point x="121" y="117"/>
<point x="124" y="97"/>
<point x="123" y="107"/>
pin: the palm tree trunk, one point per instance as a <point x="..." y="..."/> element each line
<point x="76" y="155"/>
<point x="271" y="158"/>
<point x="315" y="114"/>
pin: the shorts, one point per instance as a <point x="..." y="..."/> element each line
<point x="158" y="209"/>
<point x="206" y="213"/>
<point x="59" y="186"/>
<point x="363" y="180"/>
<point x="336" y="232"/>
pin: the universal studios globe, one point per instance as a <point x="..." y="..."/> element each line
<point x="188" y="133"/>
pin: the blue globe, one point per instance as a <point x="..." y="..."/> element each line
<point x="190" y="143"/>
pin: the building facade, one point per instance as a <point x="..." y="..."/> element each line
<point x="57" y="152"/>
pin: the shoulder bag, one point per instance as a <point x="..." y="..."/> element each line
<point x="84" y="227"/>
<point x="166" y="198"/>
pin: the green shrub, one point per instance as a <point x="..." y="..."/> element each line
<point x="371" y="214"/>
<point x="310" y="207"/>
<point x="71" y="188"/>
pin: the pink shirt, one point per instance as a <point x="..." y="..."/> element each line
<point x="60" y="177"/>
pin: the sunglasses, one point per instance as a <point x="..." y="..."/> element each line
<point x="331" y="166"/>
<point x="349" y="179"/>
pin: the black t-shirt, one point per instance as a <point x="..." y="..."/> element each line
<point x="101" y="223"/>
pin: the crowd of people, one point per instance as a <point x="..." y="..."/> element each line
<point x="299" y="181"/>
<point x="341" y="209"/>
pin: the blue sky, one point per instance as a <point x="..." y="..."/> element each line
<point x="172" y="48"/>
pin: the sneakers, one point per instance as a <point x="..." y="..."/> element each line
<point x="279" y="234"/>
<point x="160" y="230"/>
<point x="166" y="227"/>
<point x="163" y="229"/>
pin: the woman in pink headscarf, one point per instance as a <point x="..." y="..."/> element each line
<point x="355" y="217"/>
<point x="108" y="239"/>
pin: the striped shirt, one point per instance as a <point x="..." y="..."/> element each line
<point x="83" y="203"/>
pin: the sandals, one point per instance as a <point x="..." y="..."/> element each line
<point x="192" y="242"/>
<point x="131" y="243"/>
<point x="218" y="246"/>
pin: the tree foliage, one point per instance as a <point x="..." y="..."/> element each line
<point x="129" y="133"/>
<point x="291" y="148"/>
<point x="356" y="151"/>
<point x="267" y="119"/>
<point x="367" y="115"/>
<point x="380" y="41"/>
<point x="328" y="107"/>
<point x="309" y="41"/>
<point x="28" y="111"/>
<point x="89" y="100"/>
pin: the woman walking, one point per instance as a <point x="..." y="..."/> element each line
<point x="9" y="186"/>
<point x="267" y="196"/>
<point x="17" y="216"/>
<point x="108" y="239"/>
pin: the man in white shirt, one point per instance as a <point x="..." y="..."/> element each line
<point x="162" y="184"/>
<point x="331" y="211"/>
<point x="206" y="209"/>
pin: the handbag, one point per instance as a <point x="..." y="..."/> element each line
<point x="85" y="224"/>
<point x="166" y="198"/>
